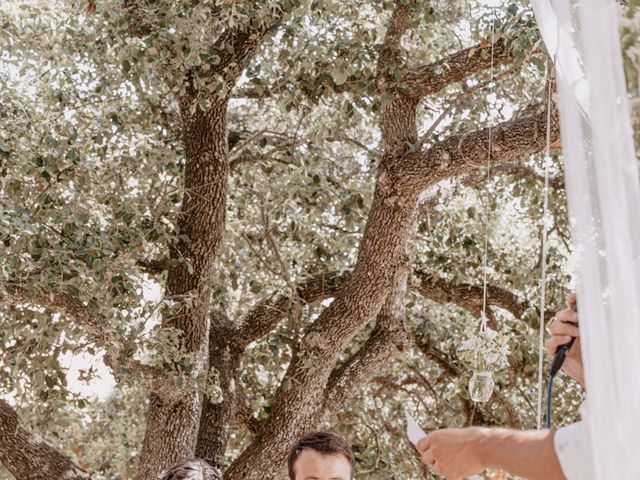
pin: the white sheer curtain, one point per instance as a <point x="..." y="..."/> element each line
<point x="604" y="205"/>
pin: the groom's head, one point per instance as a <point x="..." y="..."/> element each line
<point x="195" y="469"/>
<point x="321" y="456"/>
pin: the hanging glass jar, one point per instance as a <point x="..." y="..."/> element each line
<point x="481" y="386"/>
<point x="485" y="351"/>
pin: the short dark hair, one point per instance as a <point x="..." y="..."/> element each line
<point x="325" y="443"/>
<point x="195" y="469"/>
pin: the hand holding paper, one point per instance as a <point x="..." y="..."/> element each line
<point x="414" y="432"/>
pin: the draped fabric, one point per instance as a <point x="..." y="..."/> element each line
<point x="603" y="191"/>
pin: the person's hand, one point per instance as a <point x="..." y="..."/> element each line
<point x="455" y="453"/>
<point x="561" y="331"/>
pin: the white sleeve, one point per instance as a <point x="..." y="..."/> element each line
<point x="573" y="447"/>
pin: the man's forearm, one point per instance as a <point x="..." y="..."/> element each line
<point x="529" y="454"/>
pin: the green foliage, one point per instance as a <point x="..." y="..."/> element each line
<point x="91" y="166"/>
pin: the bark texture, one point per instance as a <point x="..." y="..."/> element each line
<point x="226" y="349"/>
<point x="28" y="458"/>
<point x="383" y="258"/>
<point x="382" y="262"/>
<point x="173" y="420"/>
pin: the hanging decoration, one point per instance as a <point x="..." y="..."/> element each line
<point x="486" y="350"/>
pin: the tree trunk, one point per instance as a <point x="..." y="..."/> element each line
<point x="227" y="345"/>
<point x="390" y="337"/>
<point x="217" y="419"/>
<point x="173" y="419"/>
<point x="28" y="458"/>
<point x="299" y="399"/>
<point x="383" y="260"/>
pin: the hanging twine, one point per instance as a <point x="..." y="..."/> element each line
<point x="543" y="267"/>
<point x="485" y="269"/>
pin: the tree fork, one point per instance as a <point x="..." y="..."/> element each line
<point x="172" y="425"/>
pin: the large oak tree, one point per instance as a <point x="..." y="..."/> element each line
<point x="306" y="183"/>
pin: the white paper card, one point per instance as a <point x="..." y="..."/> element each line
<point x="414" y="432"/>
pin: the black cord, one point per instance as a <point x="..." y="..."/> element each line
<point x="558" y="360"/>
<point x="549" y="396"/>
<point x="559" y="357"/>
<point x="556" y="364"/>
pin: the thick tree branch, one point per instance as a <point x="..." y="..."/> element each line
<point x="397" y="111"/>
<point x="462" y="154"/>
<point x="244" y="414"/>
<point x="227" y="344"/>
<point x="218" y="417"/>
<point x="261" y="319"/>
<point x="389" y="52"/>
<point x="62" y="303"/>
<point x="389" y="337"/>
<point x="27" y="457"/>
<point x="429" y="79"/>
<point x="236" y="48"/>
<point x="469" y="296"/>
<point x="201" y="223"/>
